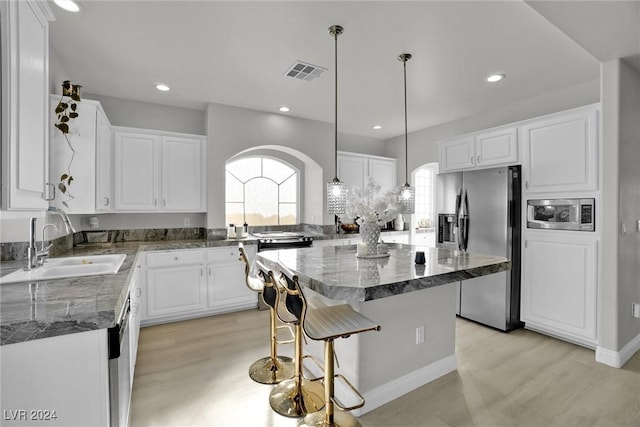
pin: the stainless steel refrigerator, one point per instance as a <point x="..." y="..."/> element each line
<point x="479" y="211"/>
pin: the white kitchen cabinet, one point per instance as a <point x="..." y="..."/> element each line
<point x="226" y="287"/>
<point x="24" y="30"/>
<point x="156" y="171"/>
<point x="561" y="152"/>
<point x="64" y="380"/>
<point x="175" y="283"/>
<point x="396" y="237"/>
<point x="353" y="170"/>
<point x="335" y="242"/>
<point x="559" y="277"/>
<point x="136" y="163"/>
<point x="90" y="137"/>
<point x="491" y="148"/>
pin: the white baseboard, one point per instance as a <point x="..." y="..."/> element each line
<point x="403" y="385"/>
<point x="617" y="359"/>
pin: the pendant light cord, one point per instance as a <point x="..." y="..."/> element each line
<point x="335" y="118"/>
<point x="406" y="138"/>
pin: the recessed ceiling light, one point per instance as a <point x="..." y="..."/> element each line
<point x="493" y="78"/>
<point x="284" y="109"/>
<point x="376" y="127"/>
<point x="163" y="87"/>
<point x="68" y="5"/>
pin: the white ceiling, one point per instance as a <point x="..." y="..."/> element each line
<point x="235" y="53"/>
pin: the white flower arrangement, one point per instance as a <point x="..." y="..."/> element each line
<point x="367" y="205"/>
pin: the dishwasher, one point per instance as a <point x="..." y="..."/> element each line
<point x="120" y="369"/>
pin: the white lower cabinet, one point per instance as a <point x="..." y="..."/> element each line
<point x="182" y="284"/>
<point x="559" y="278"/>
<point x="226" y="288"/>
<point x="56" y="381"/>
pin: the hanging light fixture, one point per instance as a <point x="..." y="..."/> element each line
<point x="407" y="194"/>
<point x="336" y="190"/>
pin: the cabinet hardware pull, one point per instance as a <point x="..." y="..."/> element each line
<point x="155" y="203"/>
<point x="526" y="243"/>
<point x="201" y="272"/>
<point x="526" y="185"/>
<point x="138" y="292"/>
<point x="209" y="271"/>
<point x="175" y="258"/>
<point x="478" y="160"/>
<point x="106" y="201"/>
<point x="473" y="160"/>
<point x="164" y="203"/>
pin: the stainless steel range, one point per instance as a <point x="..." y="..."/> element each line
<point x="282" y="240"/>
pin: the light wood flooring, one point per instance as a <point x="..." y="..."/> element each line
<point x="194" y="373"/>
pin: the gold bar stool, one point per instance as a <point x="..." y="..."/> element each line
<point x="326" y="324"/>
<point x="298" y="396"/>
<point x="271" y="369"/>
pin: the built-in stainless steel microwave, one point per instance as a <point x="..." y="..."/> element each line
<point x="562" y="214"/>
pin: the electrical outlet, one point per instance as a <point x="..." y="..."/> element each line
<point x="635" y="310"/>
<point x="419" y="335"/>
<point x="187" y="221"/>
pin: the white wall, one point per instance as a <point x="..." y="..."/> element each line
<point x="232" y="130"/>
<point x="620" y="259"/>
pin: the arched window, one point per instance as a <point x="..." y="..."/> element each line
<point x="261" y="191"/>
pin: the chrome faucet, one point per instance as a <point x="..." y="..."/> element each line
<point x="65" y="219"/>
<point x="37" y="257"/>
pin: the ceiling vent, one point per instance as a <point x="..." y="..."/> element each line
<point x="304" y="71"/>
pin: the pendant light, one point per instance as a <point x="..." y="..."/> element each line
<point x="336" y="190"/>
<point x="407" y="194"/>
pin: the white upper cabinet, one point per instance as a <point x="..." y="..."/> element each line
<point x="182" y="184"/>
<point x="24" y="30"/>
<point x="159" y="171"/>
<point x="561" y="152"/>
<point x="353" y="170"/>
<point x="136" y="171"/>
<point x="90" y="138"/>
<point x="497" y="147"/>
<point x="491" y="148"/>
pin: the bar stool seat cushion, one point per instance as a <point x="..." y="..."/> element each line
<point x="336" y="321"/>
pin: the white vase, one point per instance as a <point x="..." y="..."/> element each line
<point x="399" y="223"/>
<point x="370" y="234"/>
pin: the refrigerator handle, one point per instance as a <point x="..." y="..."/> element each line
<point x="458" y="202"/>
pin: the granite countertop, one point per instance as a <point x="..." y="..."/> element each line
<point x="337" y="273"/>
<point x="50" y="308"/>
<point x="47" y="308"/>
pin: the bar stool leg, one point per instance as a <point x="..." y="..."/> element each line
<point x="272" y="369"/>
<point x="328" y="417"/>
<point x="297" y="397"/>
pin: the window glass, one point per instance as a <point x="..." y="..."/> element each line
<point x="424" y="179"/>
<point x="261" y="191"/>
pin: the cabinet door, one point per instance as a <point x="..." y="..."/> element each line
<point x="104" y="171"/>
<point x="75" y="155"/>
<point x="559" y="285"/>
<point x="352" y="170"/>
<point x="226" y="285"/>
<point x="561" y="152"/>
<point x="136" y="171"/>
<point x="182" y="180"/>
<point x="175" y="290"/>
<point x="25" y="103"/>
<point x="498" y="147"/>
<point x="457" y="154"/>
<point x="384" y="173"/>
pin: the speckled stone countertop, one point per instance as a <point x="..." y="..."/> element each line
<point x="50" y="308"/>
<point x="337" y="273"/>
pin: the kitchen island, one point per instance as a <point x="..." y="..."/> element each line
<point x="414" y="304"/>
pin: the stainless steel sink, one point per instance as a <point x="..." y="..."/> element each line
<point x="78" y="266"/>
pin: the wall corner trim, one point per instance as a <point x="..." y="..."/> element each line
<point x="617" y="359"/>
